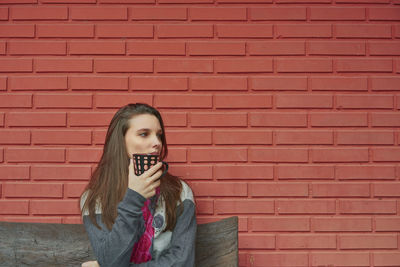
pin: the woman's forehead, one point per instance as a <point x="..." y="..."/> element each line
<point x="144" y="121"/>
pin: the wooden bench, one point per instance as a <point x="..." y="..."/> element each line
<point x="41" y="244"/>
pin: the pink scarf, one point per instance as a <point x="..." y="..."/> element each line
<point x="141" y="249"/>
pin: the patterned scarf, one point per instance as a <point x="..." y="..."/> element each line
<point x="141" y="249"/>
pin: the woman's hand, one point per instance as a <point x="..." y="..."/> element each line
<point x="90" y="264"/>
<point x="146" y="183"/>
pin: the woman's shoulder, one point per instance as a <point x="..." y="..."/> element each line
<point x="186" y="192"/>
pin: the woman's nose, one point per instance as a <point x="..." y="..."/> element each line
<point x="156" y="141"/>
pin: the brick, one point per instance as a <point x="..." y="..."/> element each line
<point x="16" y="101"/>
<point x="123" y="65"/>
<point x="98" y="83"/>
<point x="385" y="154"/>
<point x="183" y="101"/>
<point x="363" y="1"/>
<point x="303" y="31"/>
<point x="306" y="206"/>
<point x="367" y="207"/>
<point x="35" y="219"/>
<point x="1" y="119"/>
<point x="242" y="101"/>
<point x="256" y="241"/>
<point x="365" y="138"/>
<point x="97" y="48"/>
<point x="219" y="189"/>
<point x="90" y="155"/>
<point x="14" y="206"/>
<point x="278" y="190"/>
<point x="341" y="224"/>
<point x="98" y="13"/>
<point x="188" y="137"/>
<point x="306" y="241"/>
<point x="61" y="172"/>
<point x="244" y="206"/>
<point x="218" y="83"/>
<point x="17" y="30"/>
<point x="185" y="1"/>
<point x="36" y="119"/>
<point x="172" y="119"/>
<point x="63" y="100"/>
<point x="340" y="190"/>
<point x="35" y="154"/>
<point x="89" y="118"/>
<point x="4" y="13"/>
<point x="15" y="137"/>
<point x="69" y="1"/>
<point x="156" y="48"/>
<point x="61" y="137"/>
<point x="364" y="101"/>
<point x="280" y="259"/>
<point x="384" y="48"/>
<point x="14" y="172"/>
<point x="243" y="65"/>
<point x="192" y="171"/>
<point x="216" y="49"/>
<point x="386" y="259"/>
<point x="278" y="119"/>
<point x="39" y="13"/>
<point x="389" y="83"/>
<point x="218" y="119"/>
<point x="244" y="31"/>
<point x="204" y="206"/>
<point x="64" y="65"/>
<point x="385" y="119"/>
<point x="37" y="83"/>
<point x="127" y="1"/>
<point x="304" y="101"/>
<point x="158" y="13"/>
<point x="302" y="1"/>
<point x="278" y="83"/>
<point x="383" y="13"/>
<point x="72" y="220"/>
<point x="339" y="83"/>
<point x="2" y="48"/>
<point x="278" y="155"/>
<point x="218" y="154"/>
<point x="217" y="13"/>
<point x="357" y="172"/>
<point x="42" y="190"/>
<point x="65" y="30"/>
<point x="386" y="189"/>
<point x="387" y="224"/>
<point x="397" y="31"/>
<point x="336" y="48"/>
<point x="15" y="65"/>
<point x="183" y="65"/>
<point x="274" y="48"/>
<point x="37" y="48"/>
<point x="303" y="137"/>
<point x="278" y="13"/>
<point x="152" y="83"/>
<point x="185" y="31"/>
<point x="279" y="224"/>
<point x="368" y="241"/>
<point x="124" y="31"/>
<point x="177" y="155"/>
<point x="3" y="83"/>
<point x="54" y="207"/>
<point x="339" y="155"/>
<point x="304" y="65"/>
<point x="246" y="171"/>
<point x="243" y="137"/>
<point x="363" y="31"/>
<point x="99" y="137"/>
<point x="339" y="119"/>
<point x="340" y="258"/>
<point x="305" y="172"/>
<point x="119" y="100"/>
<point x="364" y="65"/>
<point x="337" y="13"/>
<point x="74" y="190"/>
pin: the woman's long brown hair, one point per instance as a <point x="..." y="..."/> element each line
<point x="109" y="181"/>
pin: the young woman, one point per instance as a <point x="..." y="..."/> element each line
<point x="146" y="220"/>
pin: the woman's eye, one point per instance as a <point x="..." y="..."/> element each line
<point x="143" y="134"/>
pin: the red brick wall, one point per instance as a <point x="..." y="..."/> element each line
<point x="283" y="112"/>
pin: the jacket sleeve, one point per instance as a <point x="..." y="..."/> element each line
<point x="114" y="248"/>
<point x="181" y="252"/>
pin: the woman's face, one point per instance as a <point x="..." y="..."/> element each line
<point x="143" y="135"/>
